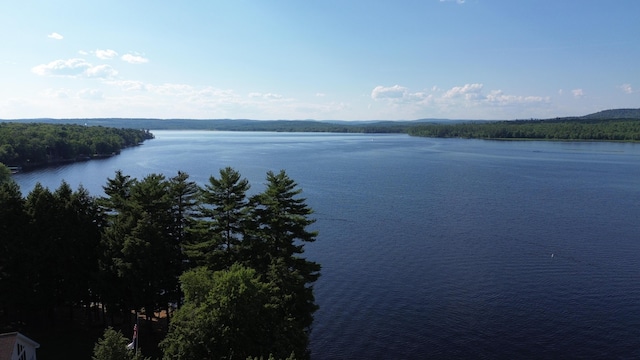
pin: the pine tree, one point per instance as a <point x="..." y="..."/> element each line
<point x="224" y="209"/>
<point x="14" y="253"/>
<point x="281" y="219"/>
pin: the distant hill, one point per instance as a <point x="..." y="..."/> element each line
<point x="613" y="114"/>
<point x="235" y="124"/>
<point x="381" y="126"/>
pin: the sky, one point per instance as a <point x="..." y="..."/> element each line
<point x="318" y="59"/>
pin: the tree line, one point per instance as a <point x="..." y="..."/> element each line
<point x="36" y="144"/>
<point x="604" y="130"/>
<point x="228" y="267"/>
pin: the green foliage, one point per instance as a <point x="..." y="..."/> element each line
<point x="141" y="242"/>
<point x="280" y="219"/>
<point x="13" y="249"/>
<point x="5" y="174"/>
<point x="184" y="199"/>
<point x="241" y="125"/>
<point x="113" y="346"/>
<point x="614" y="114"/>
<point x="252" y="298"/>
<point x="574" y="129"/>
<point x="56" y="259"/>
<point x="226" y="315"/>
<point x="32" y="144"/>
<point x="223" y="213"/>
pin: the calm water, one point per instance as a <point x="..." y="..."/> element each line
<point x="440" y="248"/>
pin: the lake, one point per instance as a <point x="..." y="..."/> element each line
<point x="439" y="248"/>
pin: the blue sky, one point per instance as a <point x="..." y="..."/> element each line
<point x="318" y="59"/>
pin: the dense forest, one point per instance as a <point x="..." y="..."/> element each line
<point x="37" y="144"/>
<point x="236" y="124"/>
<point x="223" y="268"/>
<point x="562" y="129"/>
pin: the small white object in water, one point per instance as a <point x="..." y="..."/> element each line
<point x="551" y="255"/>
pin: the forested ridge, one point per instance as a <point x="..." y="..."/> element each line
<point x="561" y="129"/>
<point x="37" y="144"/>
<point x="607" y="125"/>
<point x="225" y="267"/>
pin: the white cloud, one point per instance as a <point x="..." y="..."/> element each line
<point x="468" y="91"/>
<point x="457" y="1"/>
<point x="55" y="36"/>
<point x="267" y="96"/>
<point x="399" y="94"/>
<point x="134" y="59"/>
<point x="74" y="68"/>
<point x="101" y="72"/>
<point x="393" y="92"/>
<point x="497" y="97"/>
<point x="129" y="85"/>
<point x="69" y="67"/>
<point x="106" y="54"/>
<point x="627" y="88"/>
<point x="447" y="103"/>
<point x="171" y="89"/>
<point x="320" y="94"/>
<point x="577" y="93"/>
<point x="271" y="96"/>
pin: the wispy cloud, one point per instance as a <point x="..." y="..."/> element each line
<point x="436" y="100"/>
<point x="128" y="85"/>
<point x="266" y="96"/>
<point x="578" y="93"/>
<point x="468" y="91"/>
<point x="101" y="72"/>
<point x="457" y="1"/>
<point x="106" y="54"/>
<point x="391" y="92"/>
<point x="55" y="36"/>
<point x="75" y="67"/>
<point x="497" y="97"/>
<point x="134" y="59"/>
<point x="627" y="88"/>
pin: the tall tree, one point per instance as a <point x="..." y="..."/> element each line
<point x="14" y="253"/>
<point x="224" y="210"/>
<point x="143" y="255"/>
<point x="119" y="220"/>
<point x="184" y="195"/>
<point x="45" y="244"/>
<point x="275" y="247"/>
<point x="151" y="261"/>
<point x="78" y="235"/>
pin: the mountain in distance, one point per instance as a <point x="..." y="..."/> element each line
<point x="614" y="114"/>
<point x="304" y="125"/>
